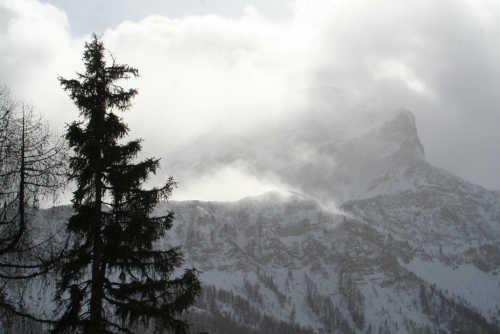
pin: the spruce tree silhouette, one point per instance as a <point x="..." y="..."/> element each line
<point x="113" y="279"/>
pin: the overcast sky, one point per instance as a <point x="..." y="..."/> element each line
<point x="204" y="60"/>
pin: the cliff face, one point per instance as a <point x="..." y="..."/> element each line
<point x="403" y="263"/>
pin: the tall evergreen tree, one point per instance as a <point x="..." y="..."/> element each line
<point x="114" y="279"/>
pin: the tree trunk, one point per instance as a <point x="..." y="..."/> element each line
<point x="96" y="290"/>
<point x="21" y="184"/>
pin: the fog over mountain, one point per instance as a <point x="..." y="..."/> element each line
<point x="330" y="146"/>
<point x="372" y="239"/>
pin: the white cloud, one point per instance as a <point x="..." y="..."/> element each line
<point x="392" y="69"/>
<point x="201" y="70"/>
<point x="438" y="59"/>
<point x="35" y="48"/>
<point x="227" y="184"/>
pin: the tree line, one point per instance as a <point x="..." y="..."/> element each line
<point x="222" y="311"/>
<point x="105" y="273"/>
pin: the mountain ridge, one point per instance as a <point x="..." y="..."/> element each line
<point x="371" y="239"/>
<point x="398" y="219"/>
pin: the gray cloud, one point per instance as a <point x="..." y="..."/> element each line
<point x="438" y="59"/>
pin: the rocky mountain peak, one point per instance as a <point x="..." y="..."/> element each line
<point x="331" y="149"/>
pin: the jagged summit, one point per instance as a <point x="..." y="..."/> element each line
<point x="331" y="150"/>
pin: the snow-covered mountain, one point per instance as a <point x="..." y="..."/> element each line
<point x="373" y="239"/>
<point x="410" y="248"/>
<point x="399" y="264"/>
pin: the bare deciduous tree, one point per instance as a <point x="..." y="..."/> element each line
<point x="32" y="169"/>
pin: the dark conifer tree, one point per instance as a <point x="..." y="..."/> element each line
<point x="113" y="279"/>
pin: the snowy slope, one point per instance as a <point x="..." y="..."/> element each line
<point x="451" y="226"/>
<point x="306" y="262"/>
